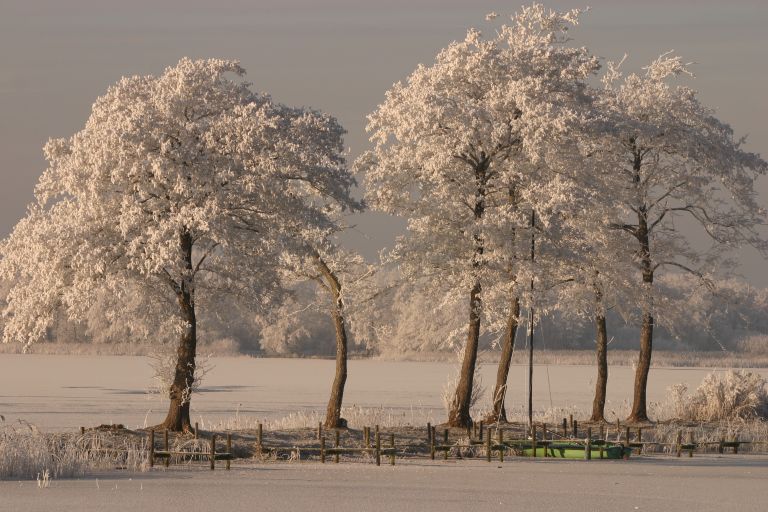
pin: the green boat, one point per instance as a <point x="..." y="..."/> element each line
<point x="576" y="451"/>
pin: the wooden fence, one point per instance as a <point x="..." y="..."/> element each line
<point x="493" y="441"/>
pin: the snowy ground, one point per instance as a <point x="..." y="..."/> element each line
<point x="700" y="484"/>
<point x="65" y="392"/>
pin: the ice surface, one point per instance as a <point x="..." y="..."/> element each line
<point x="701" y="484"/>
<point x="66" y="392"/>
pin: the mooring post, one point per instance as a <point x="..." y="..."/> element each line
<point x="378" y="446"/>
<point x="392" y="446"/>
<point x="229" y="449"/>
<point x="151" y="447"/>
<point x="588" y="446"/>
<point x="336" y="447"/>
<point x="213" y="452"/>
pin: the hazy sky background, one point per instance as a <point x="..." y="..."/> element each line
<point x="340" y="56"/>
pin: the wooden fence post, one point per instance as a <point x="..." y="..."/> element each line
<point x="627" y="435"/>
<point x="488" y="446"/>
<point x="533" y="441"/>
<point x="501" y="444"/>
<point x="565" y="428"/>
<point x="151" y="447"/>
<point x="432" y="444"/>
<point x="378" y="446"/>
<point x="229" y="449"/>
<point x="165" y="447"/>
<point x="575" y="429"/>
<point x="544" y="439"/>
<point x="260" y="440"/>
<point x="679" y="446"/>
<point x="429" y="433"/>
<point x="213" y="452"/>
<point x="322" y="450"/>
<point x="588" y="446"/>
<point x="336" y="446"/>
<point x="691" y="442"/>
<point x="480" y="436"/>
<point x="445" y="444"/>
<point x="602" y="440"/>
<point x="319" y="430"/>
<point x="392" y="446"/>
<point x="196" y="430"/>
<point x="570" y="422"/>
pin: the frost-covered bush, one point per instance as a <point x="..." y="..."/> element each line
<point x="721" y="396"/>
<point x="26" y="453"/>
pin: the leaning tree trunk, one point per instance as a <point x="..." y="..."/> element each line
<point x="639" y="410"/>
<point x="499" y="412"/>
<point x="459" y="415"/>
<point x="180" y="394"/>
<point x="333" y="417"/>
<point x="598" y="405"/>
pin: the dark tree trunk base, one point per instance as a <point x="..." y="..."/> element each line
<point x="177" y="419"/>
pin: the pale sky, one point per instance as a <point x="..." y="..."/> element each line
<point x="340" y="56"/>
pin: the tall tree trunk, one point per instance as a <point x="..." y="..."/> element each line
<point x="499" y="412"/>
<point x="639" y="410"/>
<point x="598" y="405"/>
<point x="459" y="415"/>
<point x="333" y="417"/>
<point x="180" y="393"/>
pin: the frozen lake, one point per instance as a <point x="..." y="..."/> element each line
<point x="66" y="392"/>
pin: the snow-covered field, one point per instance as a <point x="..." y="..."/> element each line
<point x="66" y="392"/>
<point x="701" y="484"/>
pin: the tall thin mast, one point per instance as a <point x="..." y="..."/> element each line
<point x="530" y="326"/>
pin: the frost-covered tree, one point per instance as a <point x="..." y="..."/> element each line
<point x="456" y="138"/>
<point x="669" y="161"/>
<point x="338" y="273"/>
<point x="185" y="184"/>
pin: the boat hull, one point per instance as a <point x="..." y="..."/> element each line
<point x="575" y="451"/>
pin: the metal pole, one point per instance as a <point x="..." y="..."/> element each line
<point x="530" y="327"/>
